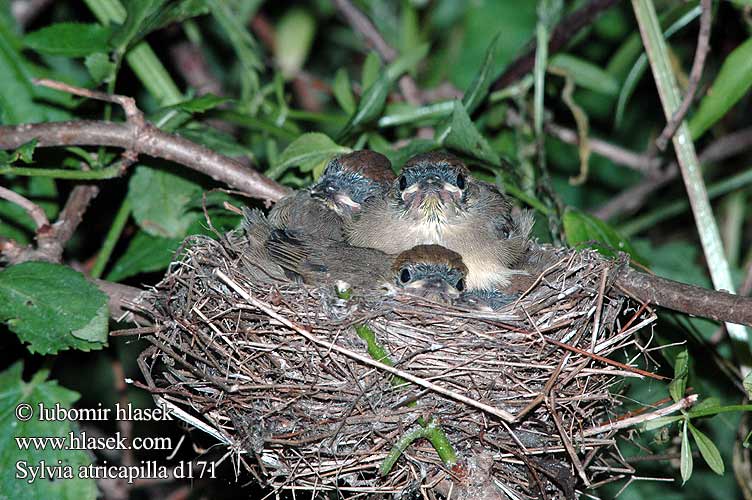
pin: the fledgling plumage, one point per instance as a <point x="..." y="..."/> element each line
<point x="436" y="201"/>
<point x="287" y="255"/>
<point x="347" y="182"/>
<point x="429" y="271"/>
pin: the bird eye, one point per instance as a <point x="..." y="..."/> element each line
<point x="402" y="183"/>
<point x="460" y="286"/>
<point x="405" y="276"/>
<point x="460" y="181"/>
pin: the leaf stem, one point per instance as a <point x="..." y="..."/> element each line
<point x="113" y="235"/>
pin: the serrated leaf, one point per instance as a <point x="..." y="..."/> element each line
<point x="582" y="230"/>
<point x="69" y="39"/>
<point x="44" y="304"/>
<point x="38" y="391"/>
<point x="308" y="151"/>
<point x="145" y="254"/>
<point x="343" y="92"/>
<point x="732" y="83"/>
<point x="99" y="65"/>
<point x="478" y="89"/>
<point x="160" y="199"/>
<point x="460" y="134"/>
<point x="681" y="371"/>
<point x="293" y="39"/>
<point x="585" y="74"/>
<point x="685" y="461"/>
<point x="708" y="450"/>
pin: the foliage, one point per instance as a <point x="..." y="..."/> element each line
<point x="284" y="88"/>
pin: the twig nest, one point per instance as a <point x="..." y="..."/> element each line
<point x="279" y="374"/>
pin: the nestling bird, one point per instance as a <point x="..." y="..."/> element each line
<point x="347" y="182"/>
<point x="430" y="271"/>
<point x="284" y="255"/>
<point x="436" y="201"/>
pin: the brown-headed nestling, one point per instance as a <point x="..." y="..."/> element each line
<point x="346" y="183"/>
<point x="436" y="201"/>
<point x="302" y="239"/>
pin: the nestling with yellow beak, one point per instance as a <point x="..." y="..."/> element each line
<point x="436" y="201"/>
<point x="430" y="271"/>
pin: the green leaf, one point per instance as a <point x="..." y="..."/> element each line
<point x="25" y="153"/>
<point x="100" y="67"/>
<point x="145" y="254"/>
<point x="201" y="104"/>
<point x="708" y="450"/>
<point x="371" y="70"/>
<point x="145" y="16"/>
<point x="52" y="307"/>
<point x="460" y="134"/>
<point x="659" y="422"/>
<point x="585" y="74"/>
<point x="685" y="464"/>
<point x="582" y="229"/>
<point x="38" y="391"/>
<point x="293" y="39"/>
<point x="160" y="199"/>
<point x="732" y="83"/>
<point x="478" y="89"/>
<point x="343" y="92"/>
<point x="69" y="39"/>
<point x="681" y="372"/>
<point x="308" y="151"/>
<point x="244" y="44"/>
<point x="214" y="139"/>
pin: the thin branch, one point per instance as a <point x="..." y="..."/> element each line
<point x="697" y="301"/>
<point x="360" y="23"/>
<point x="71" y="215"/>
<point x="703" y="45"/>
<point x="634" y="197"/>
<point x="144" y="138"/>
<point x="640" y="162"/>
<point x="35" y="211"/>
<point x="562" y="34"/>
<point x="682" y="404"/>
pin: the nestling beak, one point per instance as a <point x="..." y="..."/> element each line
<point x="332" y="196"/>
<point x="431" y="193"/>
<point x="434" y="289"/>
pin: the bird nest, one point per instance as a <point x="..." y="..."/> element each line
<point x="297" y="383"/>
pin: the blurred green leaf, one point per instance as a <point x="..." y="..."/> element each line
<point x="53" y="308"/>
<point x="478" y="90"/>
<point x="583" y="229"/>
<point x="293" y="39"/>
<point x="681" y="372"/>
<point x="201" y="103"/>
<point x="370" y="70"/>
<point x="69" y="39"/>
<point x="99" y="65"/>
<point x="685" y="461"/>
<point x="244" y="44"/>
<point x="145" y="253"/>
<point x="25" y="153"/>
<point x="213" y="139"/>
<point x="585" y="74"/>
<point x="38" y="391"/>
<point x="732" y="83"/>
<point x="145" y="16"/>
<point x="460" y="134"/>
<point x="343" y="92"/>
<point x="160" y="199"/>
<point x="708" y="450"/>
<point x="308" y="151"/>
<point x="659" y="422"/>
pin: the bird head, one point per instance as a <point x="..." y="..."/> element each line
<point x="430" y="271"/>
<point x="433" y="186"/>
<point x="351" y="179"/>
